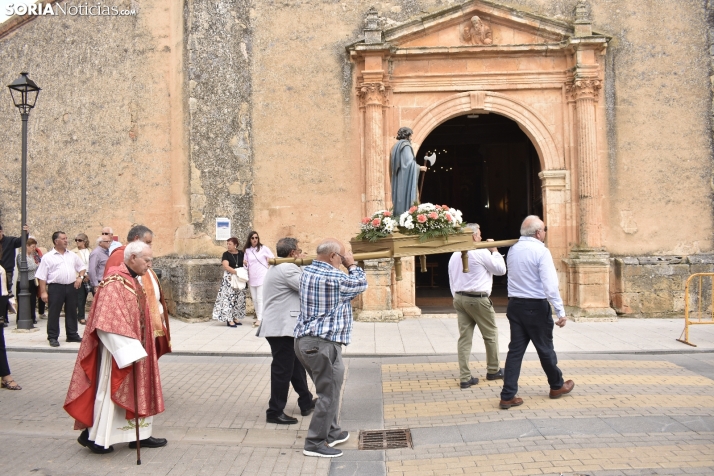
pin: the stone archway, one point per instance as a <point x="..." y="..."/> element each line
<point x="484" y="102"/>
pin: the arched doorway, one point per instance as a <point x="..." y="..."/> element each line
<point x="487" y="167"/>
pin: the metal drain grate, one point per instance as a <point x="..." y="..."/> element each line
<point x="384" y="439"/>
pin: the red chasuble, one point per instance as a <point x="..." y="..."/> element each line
<point x="115" y="259"/>
<point x="119" y="307"/>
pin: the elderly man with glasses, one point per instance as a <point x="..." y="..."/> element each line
<point x="323" y="327"/>
<point x="113" y="244"/>
<point x="98" y="260"/>
<point x="532" y="283"/>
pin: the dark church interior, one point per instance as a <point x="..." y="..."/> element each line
<point x="487" y="168"/>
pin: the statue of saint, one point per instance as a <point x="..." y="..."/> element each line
<point x="476" y="32"/>
<point x="405" y="172"/>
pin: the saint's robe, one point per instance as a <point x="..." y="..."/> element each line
<point x="405" y="172"/>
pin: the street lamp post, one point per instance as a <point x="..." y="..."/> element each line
<point x="24" y="94"/>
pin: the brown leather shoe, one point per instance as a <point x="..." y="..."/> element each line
<point x="566" y="388"/>
<point x="514" y="402"/>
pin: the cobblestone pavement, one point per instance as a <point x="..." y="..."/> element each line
<point x="628" y="415"/>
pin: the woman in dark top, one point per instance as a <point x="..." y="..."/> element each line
<point x="230" y="303"/>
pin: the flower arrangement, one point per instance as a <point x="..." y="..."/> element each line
<point x="430" y="221"/>
<point x="377" y="226"/>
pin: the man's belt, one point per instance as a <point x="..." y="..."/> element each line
<point x="470" y="294"/>
<point x="528" y="299"/>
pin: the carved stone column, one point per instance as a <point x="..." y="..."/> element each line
<point x="373" y="98"/>
<point x="588" y="264"/>
<point x="585" y="92"/>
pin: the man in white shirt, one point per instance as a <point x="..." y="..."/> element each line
<point x="532" y="282"/>
<point x="61" y="273"/>
<point x="471" y="293"/>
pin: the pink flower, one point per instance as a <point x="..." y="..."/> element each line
<point x="376" y="222"/>
<point x="421" y="218"/>
<point x="412" y="209"/>
<point x="444" y="207"/>
<point x="387" y="214"/>
<point x="438" y="207"/>
<point x="365" y="220"/>
<point x="433" y="215"/>
<point x="448" y="217"/>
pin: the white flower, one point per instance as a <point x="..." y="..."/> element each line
<point x="426" y="207"/>
<point x="408" y="222"/>
<point x="403" y="217"/>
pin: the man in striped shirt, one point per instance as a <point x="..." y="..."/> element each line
<point x="323" y="327"/>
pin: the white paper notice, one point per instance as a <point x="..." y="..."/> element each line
<point x="223" y="229"/>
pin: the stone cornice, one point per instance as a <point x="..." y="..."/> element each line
<point x="15" y="22"/>
<point x="478" y="81"/>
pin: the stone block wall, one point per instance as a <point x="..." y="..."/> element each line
<point x="191" y="286"/>
<point x="653" y="286"/>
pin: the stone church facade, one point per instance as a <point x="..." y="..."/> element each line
<point x="280" y="116"/>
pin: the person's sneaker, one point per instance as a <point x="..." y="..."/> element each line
<point x="344" y="436"/>
<point x="307" y="411"/>
<point x="498" y="375"/>
<point x="323" y="451"/>
<point x="469" y="383"/>
<point x="54" y="343"/>
<point x="93" y="447"/>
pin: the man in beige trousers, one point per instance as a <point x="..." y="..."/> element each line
<point x="473" y="305"/>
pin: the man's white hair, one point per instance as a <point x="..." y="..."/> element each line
<point x="135" y="248"/>
<point x="111" y="230"/>
<point x="328" y="247"/>
<point x="530" y="225"/>
<point x="99" y="240"/>
<point x="474" y="227"/>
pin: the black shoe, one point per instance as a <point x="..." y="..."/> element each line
<point x="498" y="375"/>
<point x="54" y="343"/>
<point x="469" y="383"/>
<point x="93" y="447"/>
<point x="74" y="339"/>
<point x="283" y="419"/>
<point x="149" y="442"/>
<point x="307" y="411"/>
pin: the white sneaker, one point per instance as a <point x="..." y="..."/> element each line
<point x="344" y="436"/>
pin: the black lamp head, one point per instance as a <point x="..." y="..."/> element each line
<point x="24" y="93"/>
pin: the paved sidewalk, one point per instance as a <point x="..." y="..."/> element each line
<point x="434" y="335"/>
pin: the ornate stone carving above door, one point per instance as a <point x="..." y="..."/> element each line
<point x="476" y="32"/>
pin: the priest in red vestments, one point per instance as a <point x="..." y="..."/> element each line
<point x="155" y="295"/>
<point x="119" y="333"/>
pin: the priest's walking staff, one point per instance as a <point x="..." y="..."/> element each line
<point x="136" y="417"/>
<point x="429" y="159"/>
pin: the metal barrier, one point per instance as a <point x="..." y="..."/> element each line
<point x="702" y="310"/>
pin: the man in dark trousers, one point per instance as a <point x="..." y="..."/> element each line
<point x="281" y="289"/>
<point x="8" y="245"/>
<point x="61" y="273"/>
<point x="532" y="283"/>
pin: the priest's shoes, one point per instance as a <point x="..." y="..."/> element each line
<point x="283" y="419"/>
<point x="150" y="442"/>
<point x="93" y="447"/>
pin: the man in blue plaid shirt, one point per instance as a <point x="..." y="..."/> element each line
<point x="323" y="327"/>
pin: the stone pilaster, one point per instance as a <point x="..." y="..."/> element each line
<point x="373" y="97"/>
